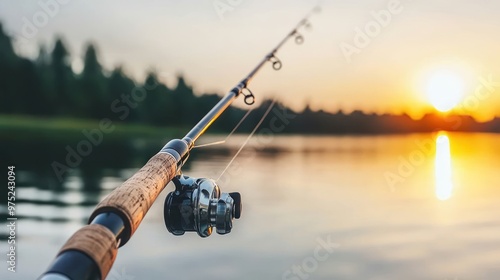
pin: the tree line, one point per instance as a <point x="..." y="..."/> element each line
<point x="48" y="87"/>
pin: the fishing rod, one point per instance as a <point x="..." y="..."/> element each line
<point x="196" y="204"/>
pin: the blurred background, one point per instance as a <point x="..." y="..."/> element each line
<point x="381" y="151"/>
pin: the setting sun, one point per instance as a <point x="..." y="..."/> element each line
<point x="444" y="90"/>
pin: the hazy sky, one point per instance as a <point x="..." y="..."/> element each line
<point x="383" y="70"/>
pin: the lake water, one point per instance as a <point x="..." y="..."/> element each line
<point x="419" y="206"/>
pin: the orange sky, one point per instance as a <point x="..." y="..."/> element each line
<point x="371" y="55"/>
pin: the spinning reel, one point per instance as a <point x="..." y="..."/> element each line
<point x="198" y="205"/>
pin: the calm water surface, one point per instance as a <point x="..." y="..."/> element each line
<point x="421" y="206"/>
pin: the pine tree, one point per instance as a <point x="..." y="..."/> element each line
<point x="61" y="79"/>
<point x="93" y="84"/>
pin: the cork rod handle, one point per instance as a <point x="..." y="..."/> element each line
<point x="98" y="243"/>
<point x="132" y="200"/>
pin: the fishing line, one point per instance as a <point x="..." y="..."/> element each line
<point x="229" y="135"/>
<point x="119" y="215"/>
<point x="248" y="139"/>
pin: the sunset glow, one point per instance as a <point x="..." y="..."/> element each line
<point x="394" y="70"/>
<point x="444" y="90"/>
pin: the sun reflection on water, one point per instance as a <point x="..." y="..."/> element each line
<point x="444" y="184"/>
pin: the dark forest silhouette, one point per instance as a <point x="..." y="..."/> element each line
<point x="48" y="87"/>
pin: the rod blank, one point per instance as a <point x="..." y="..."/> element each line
<point x="118" y="216"/>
